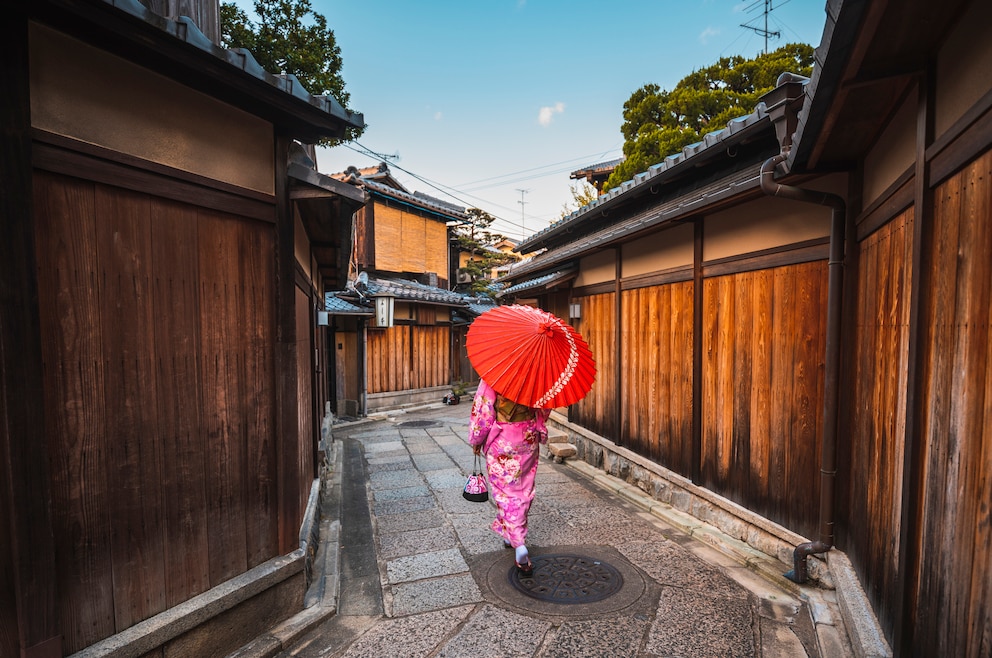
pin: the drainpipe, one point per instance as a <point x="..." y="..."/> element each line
<point x="831" y="384"/>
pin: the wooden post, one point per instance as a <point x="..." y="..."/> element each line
<point x="286" y="372"/>
<point x="25" y="503"/>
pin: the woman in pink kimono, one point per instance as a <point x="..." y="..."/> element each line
<point x="510" y="435"/>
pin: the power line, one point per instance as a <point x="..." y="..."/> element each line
<point x="364" y="150"/>
<point x="456" y="194"/>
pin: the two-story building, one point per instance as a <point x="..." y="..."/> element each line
<point x="410" y="352"/>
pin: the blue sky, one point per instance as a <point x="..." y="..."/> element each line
<point x="484" y="98"/>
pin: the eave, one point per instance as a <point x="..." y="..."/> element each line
<point x="178" y="50"/>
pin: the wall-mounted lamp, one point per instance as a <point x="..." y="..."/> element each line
<point x="574" y="311"/>
<point x="384" y="309"/>
<point x="323" y="318"/>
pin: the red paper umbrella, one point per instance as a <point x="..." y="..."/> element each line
<point x="531" y="356"/>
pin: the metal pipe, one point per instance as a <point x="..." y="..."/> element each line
<point x="831" y="384"/>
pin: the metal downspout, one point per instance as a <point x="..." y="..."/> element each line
<point x="831" y="384"/>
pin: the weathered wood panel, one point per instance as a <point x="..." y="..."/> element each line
<point x="157" y="332"/>
<point x="257" y="334"/>
<point x="223" y="393"/>
<point x="408" y="357"/>
<point x="127" y="331"/>
<point x="597" y="411"/>
<point x="656" y="380"/>
<point x="305" y="466"/>
<point x="877" y="410"/>
<point x="763" y="344"/>
<point x="954" y="599"/>
<point x="69" y="297"/>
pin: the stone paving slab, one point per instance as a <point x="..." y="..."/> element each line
<point x="425" y="565"/>
<point x="436" y="594"/>
<point x="446" y="580"/>
<point x="411" y="542"/>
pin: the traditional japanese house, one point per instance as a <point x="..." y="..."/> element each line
<point x="400" y="266"/>
<point x="791" y="323"/>
<point x="166" y="247"/>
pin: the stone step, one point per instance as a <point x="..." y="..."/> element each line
<point x="561" y="451"/>
<point x="556" y="435"/>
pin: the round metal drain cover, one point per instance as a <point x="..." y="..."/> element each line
<point x="568" y="579"/>
<point x="419" y="423"/>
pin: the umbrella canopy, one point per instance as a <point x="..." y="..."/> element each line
<point x="531" y="356"/>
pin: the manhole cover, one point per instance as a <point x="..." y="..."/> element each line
<point x="568" y="579"/>
<point x="419" y="423"/>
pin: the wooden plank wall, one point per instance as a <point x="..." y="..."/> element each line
<point x="306" y="464"/>
<point x="597" y="411"/>
<point x="954" y="599"/>
<point x="876" y="404"/>
<point x="763" y="345"/>
<point x="157" y="322"/>
<point x="408" y="357"/>
<point x="656" y="380"/>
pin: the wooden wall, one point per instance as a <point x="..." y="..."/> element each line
<point x="876" y="408"/>
<point x="762" y="383"/>
<point x="656" y="379"/>
<point x="158" y="330"/>
<point x="408" y="357"/>
<point x="598" y="410"/>
<point x="953" y="605"/>
<point x="307" y="412"/>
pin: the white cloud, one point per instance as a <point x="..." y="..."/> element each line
<point x="437" y="115"/>
<point x="548" y="113"/>
<point x="707" y="34"/>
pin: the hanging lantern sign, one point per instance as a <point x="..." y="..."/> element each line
<point x="384" y="303"/>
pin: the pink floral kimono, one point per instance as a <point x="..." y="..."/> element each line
<point x="511" y="449"/>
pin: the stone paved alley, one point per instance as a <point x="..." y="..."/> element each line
<point x="413" y="569"/>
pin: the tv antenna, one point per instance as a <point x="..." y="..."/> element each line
<point x="523" y="230"/>
<point x="762" y="31"/>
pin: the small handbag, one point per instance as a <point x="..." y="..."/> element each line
<point x="475" y="488"/>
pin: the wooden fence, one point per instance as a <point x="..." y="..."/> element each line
<point x="408" y="357"/>
<point x="954" y="593"/>
<point x="762" y="383"/>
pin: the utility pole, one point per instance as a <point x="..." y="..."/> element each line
<point x="523" y="230"/>
<point x="763" y="31"/>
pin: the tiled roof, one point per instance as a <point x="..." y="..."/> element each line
<point x="409" y="199"/>
<point x="414" y="291"/>
<point x="186" y="30"/>
<point x="682" y="204"/>
<point x="539" y="282"/>
<point x="337" y="306"/>
<point x="599" y="166"/>
<point x="479" y="306"/>
<point x="654" y="175"/>
<point x="439" y="202"/>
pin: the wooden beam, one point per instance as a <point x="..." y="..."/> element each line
<point x="287" y="427"/>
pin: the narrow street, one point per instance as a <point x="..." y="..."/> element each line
<point x="611" y="579"/>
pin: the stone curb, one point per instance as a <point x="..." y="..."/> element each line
<point x="321" y="598"/>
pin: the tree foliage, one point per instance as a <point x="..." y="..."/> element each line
<point x="658" y="123"/>
<point x="290" y="37"/>
<point x="477" y="240"/>
<point x="582" y="194"/>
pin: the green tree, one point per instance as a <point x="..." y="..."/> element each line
<point x="582" y="194"/>
<point x="477" y="240"/>
<point x="290" y="37"/>
<point x="658" y="123"/>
